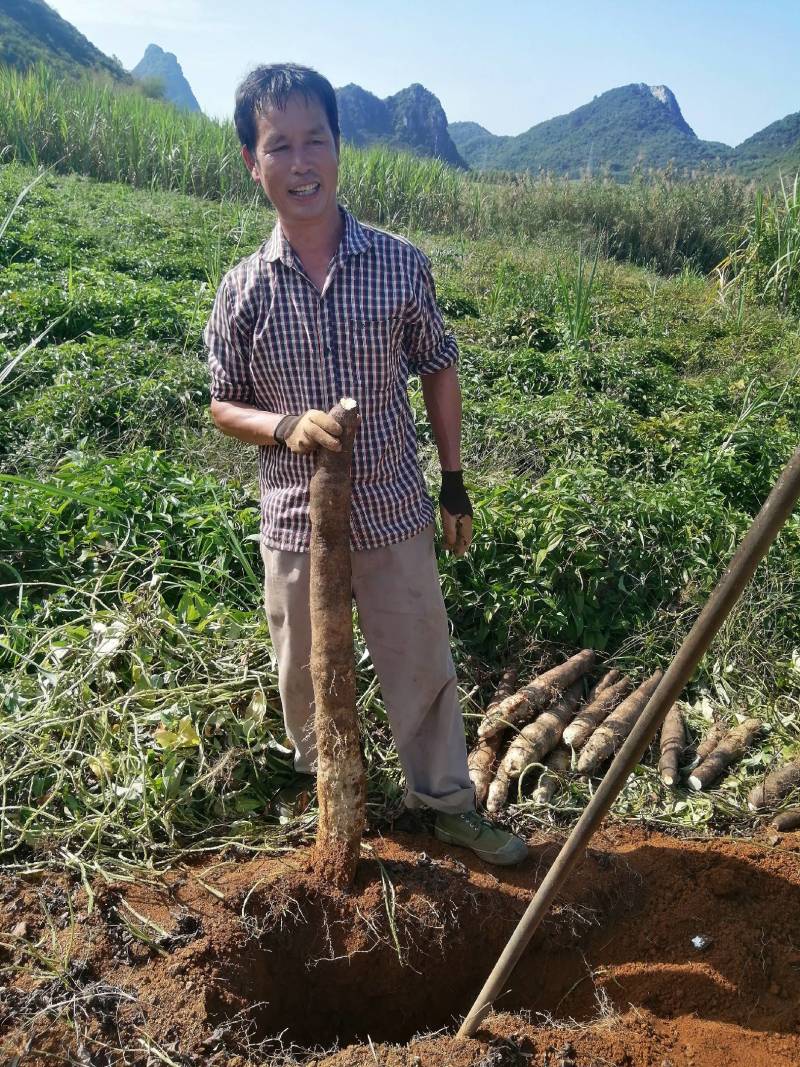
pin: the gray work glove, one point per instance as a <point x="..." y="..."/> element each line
<point x="309" y="431"/>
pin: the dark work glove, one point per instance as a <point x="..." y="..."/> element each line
<point x="456" y="512"/>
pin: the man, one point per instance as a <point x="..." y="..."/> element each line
<point x="328" y="308"/>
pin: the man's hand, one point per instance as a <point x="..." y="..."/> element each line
<point x="309" y="431"/>
<point x="456" y="512"/>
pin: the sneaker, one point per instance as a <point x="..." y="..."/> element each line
<point x="294" y="799"/>
<point x="487" y="841"/>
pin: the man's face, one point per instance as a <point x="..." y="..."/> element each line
<point x="296" y="160"/>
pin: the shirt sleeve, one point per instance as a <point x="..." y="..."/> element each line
<point x="428" y="345"/>
<point x="228" y="355"/>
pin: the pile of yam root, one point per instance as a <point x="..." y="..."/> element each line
<point x="548" y="724"/>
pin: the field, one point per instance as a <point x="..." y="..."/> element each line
<point x="619" y="437"/>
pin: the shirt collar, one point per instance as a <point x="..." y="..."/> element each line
<point x="355" y="239"/>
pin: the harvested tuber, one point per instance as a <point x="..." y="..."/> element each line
<point x="523" y="705"/>
<point x="589" y="717"/>
<point x="498" y="791"/>
<point x="611" y="733"/>
<point x="533" y="743"/>
<point x="710" y="741"/>
<point x="787" y="820"/>
<point x="556" y="764"/>
<point x="483" y="757"/>
<point x="673" y="744"/>
<point x="341" y="783"/>
<point x="608" y="679"/>
<point x="775" y="786"/>
<point x="730" y="749"/>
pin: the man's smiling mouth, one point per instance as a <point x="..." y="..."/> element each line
<point x="304" y="190"/>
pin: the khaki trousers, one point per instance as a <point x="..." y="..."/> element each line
<point x="403" y="619"/>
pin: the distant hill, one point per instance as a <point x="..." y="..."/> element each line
<point x="32" y="32"/>
<point x="163" y="67"/>
<point x="633" y="125"/>
<point x="774" y="149"/>
<point x="412" y="119"/>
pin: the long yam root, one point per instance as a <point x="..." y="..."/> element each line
<point x="611" y="733"/>
<point x="498" y="791"/>
<point x="341" y="782"/>
<point x="787" y="820"/>
<point x="522" y="706"/>
<point x="715" y="734"/>
<point x="607" y="680"/>
<point x="730" y="749"/>
<point x="533" y="743"/>
<point x="589" y="717"/>
<point x="556" y="764"/>
<point x="673" y="744"/>
<point x="483" y="758"/>
<point x="775" y="786"/>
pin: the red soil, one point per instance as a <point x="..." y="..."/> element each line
<point x="259" y="948"/>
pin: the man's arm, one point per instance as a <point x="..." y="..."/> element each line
<point x="442" y="395"/>
<point x="245" y="422"/>
<point x="300" y="433"/>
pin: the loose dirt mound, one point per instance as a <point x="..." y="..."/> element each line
<point x="244" y="960"/>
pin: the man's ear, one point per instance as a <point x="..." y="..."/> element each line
<point x="249" y="162"/>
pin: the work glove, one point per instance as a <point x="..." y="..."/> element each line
<point x="456" y="512"/>
<point x="309" y="431"/>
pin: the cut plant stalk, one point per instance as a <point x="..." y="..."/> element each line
<point x="610" y="734"/>
<point x="341" y="782"/>
<point x="483" y="757"/>
<point x="730" y="749"/>
<point x="589" y="717"/>
<point x="673" y="745"/>
<point x="775" y="786"/>
<point x="532" y="744"/>
<point x="523" y="705"/>
<point x="763" y="531"/>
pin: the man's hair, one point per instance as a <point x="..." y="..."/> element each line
<point x="272" y="86"/>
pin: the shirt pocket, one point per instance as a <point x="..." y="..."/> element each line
<point x="373" y="348"/>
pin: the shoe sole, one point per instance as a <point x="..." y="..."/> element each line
<point x="495" y="858"/>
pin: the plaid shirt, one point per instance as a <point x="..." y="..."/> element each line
<point x="275" y="342"/>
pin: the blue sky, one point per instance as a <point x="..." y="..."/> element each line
<point x="733" y="66"/>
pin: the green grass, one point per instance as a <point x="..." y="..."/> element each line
<point x="614" y="460"/>
<point x="121" y="136"/>
<point x="765" y="262"/>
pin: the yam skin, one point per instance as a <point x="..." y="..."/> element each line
<point x="608" y="679"/>
<point x="787" y="820"/>
<point x="523" y="705"/>
<point x="556" y="764"/>
<point x="498" y="791"/>
<point x="710" y="741"/>
<point x="483" y="758"/>
<point x="730" y="749"/>
<point x="341" y="783"/>
<point x="533" y="743"/>
<point x="775" y="786"/>
<point x="611" y="733"/>
<point x="589" y="717"/>
<point x="673" y="744"/>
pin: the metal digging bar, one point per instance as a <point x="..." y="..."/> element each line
<point x="765" y="528"/>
